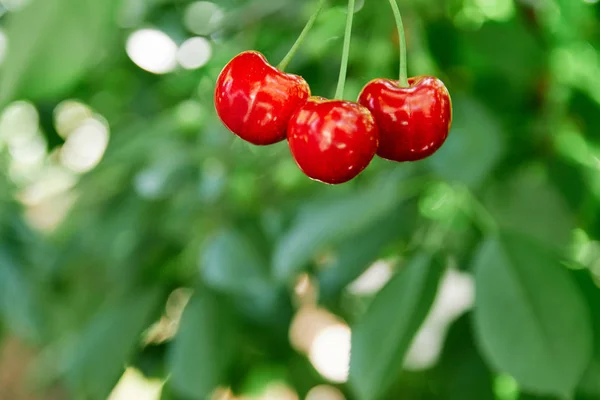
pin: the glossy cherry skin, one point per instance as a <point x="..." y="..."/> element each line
<point x="413" y="121"/>
<point x="256" y="100"/>
<point x="332" y="141"/>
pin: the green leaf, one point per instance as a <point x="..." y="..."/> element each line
<point x="52" y="44"/>
<point x="151" y="361"/>
<point x="330" y="222"/>
<point x="17" y="304"/>
<point x="531" y="321"/>
<point x="382" y="337"/>
<point x="355" y="254"/>
<point x="230" y="264"/>
<point x="590" y="383"/>
<point x="204" y="346"/>
<point x="474" y="145"/>
<point x="517" y="64"/>
<point x="534" y="208"/>
<point x="100" y="355"/>
<point x="462" y="373"/>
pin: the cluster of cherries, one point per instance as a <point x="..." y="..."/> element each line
<point x="332" y="141"/>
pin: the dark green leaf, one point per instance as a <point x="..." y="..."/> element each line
<point x="354" y="255"/>
<point x="303" y="375"/>
<point x="151" y="361"/>
<point x="229" y="263"/>
<point x="382" y="337"/>
<point x="105" y="346"/>
<point x="517" y="55"/>
<point x="461" y="372"/>
<point x="590" y="383"/>
<point x="534" y="208"/>
<point x="203" y="348"/>
<point x="331" y="222"/>
<point x="527" y="306"/>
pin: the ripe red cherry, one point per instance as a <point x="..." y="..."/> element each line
<point x="256" y="100"/>
<point x="413" y="121"/>
<point x="332" y="141"/>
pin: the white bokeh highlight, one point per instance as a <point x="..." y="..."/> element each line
<point x="330" y="352"/>
<point x="203" y="17"/>
<point x="455" y="297"/>
<point x="3" y="46"/>
<point x="194" y="53"/>
<point x="133" y="385"/>
<point x="85" y="146"/>
<point x="373" y="279"/>
<point x="152" y="50"/>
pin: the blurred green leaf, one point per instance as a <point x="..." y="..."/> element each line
<point x="17" y="305"/>
<point x="230" y="264"/>
<point x="574" y="22"/>
<point x="103" y="349"/>
<point x="534" y="207"/>
<point x="382" y="337"/>
<point x="529" y="396"/>
<point x="507" y="49"/>
<point x="462" y="373"/>
<point x="327" y="223"/>
<point x="203" y="348"/>
<point x="302" y="375"/>
<point x="355" y="254"/>
<point x="260" y="376"/>
<point x="151" y="361"/>
<point x="176" y="198"/>
<point x="474" y="146"/>
<point x="327" y="32"/>
<point x="590" y="383"/>
<point x="52" y="44"/>
<point x="527" y="306"/>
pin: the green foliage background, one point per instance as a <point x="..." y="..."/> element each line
<point x="513" y="198"/>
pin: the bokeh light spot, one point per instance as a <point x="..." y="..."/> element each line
<point x="498" y="10"/>
<point x="203" y="17"/>
<point x="150" y="182"/>
<point x="325" y="392"/>
<point x="85" y="146"/>
<point x="330" y="352"/>
<point x="14" y="5"/>
<point x="308" y="322"/>
<point x="133" y="385"/>
<point x="69" y="115"/>
<point x="3" y="45"/>
<point x="373" y="279"/>
<point x="194" y="53"/>
<point x="18" y="123"/>
<point x="152" y="50"/>
<point x="455" y="296"/>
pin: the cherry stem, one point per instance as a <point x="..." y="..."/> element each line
<point x="311" y="21"/>
<point x="339" y="93"/>
<point x="402" y="38"/>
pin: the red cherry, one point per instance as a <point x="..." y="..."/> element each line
<point x="332" y="141"/>
<point x="413" y="121"/>
<point x="256" y="100"/>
